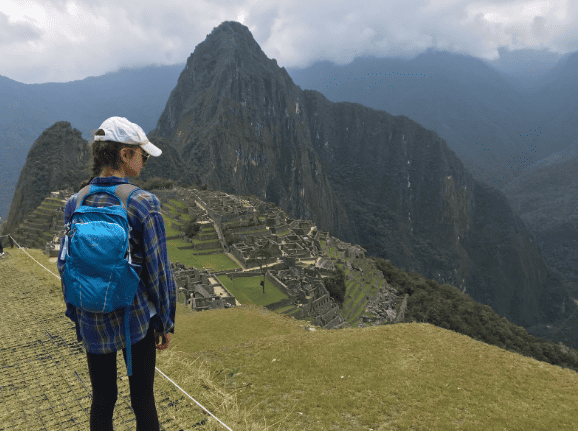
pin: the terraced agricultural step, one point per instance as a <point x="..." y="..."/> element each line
<point x="354" y="317"/>
<point x="31" y="231"/>
<point x="55" y="200"/>
<point x="354" y="292"/>
<point x="360" y="305"/>
<point x="43" y="211"/>
<point x="167" y="214"/>
<point x="40" y="224"/>
<point x="337" y="320"/>
<point x="290" y="311"/>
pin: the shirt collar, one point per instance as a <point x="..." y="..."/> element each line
<point x="109" y="180"/>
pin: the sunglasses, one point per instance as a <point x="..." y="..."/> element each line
<point x="145" y="156"/>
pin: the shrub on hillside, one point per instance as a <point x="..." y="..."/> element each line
<point x="191" y="227"/>
<point x="230" y="237"/>
<point x="335" y="285"/>
<point x="158" y="183"/>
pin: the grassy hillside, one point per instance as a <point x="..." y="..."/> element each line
<point x="257" y="370"/>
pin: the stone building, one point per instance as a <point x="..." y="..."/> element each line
<point x="200" y="290"/>
<point x="306" y="289"/>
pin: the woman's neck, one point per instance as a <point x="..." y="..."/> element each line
<point x="108" y="172"/>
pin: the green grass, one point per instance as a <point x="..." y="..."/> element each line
<point x="263" y="368"/>
<point x="198" y="241"/>
<point x="189" y="257"/>
<point x="169" y="230"/>
<point x="248" y="290"/>
<point x="216" y="262"/>
<point x="398" y="377"/>
<point x="177" y="203"/>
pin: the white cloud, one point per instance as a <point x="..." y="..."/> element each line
<point x="17" y="32"/>
<point x="62" y="40"/>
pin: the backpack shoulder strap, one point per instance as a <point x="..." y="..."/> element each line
<point x="81" y="194"/>
<point x="123" y="191"/>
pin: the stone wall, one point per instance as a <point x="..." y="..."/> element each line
<point x="278" y="284"/>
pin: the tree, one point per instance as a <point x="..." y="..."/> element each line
<point x="191" y="227"/>
<point x="335" y="285"/>
<point x="262" y="255"/>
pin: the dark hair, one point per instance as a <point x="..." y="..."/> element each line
<point x="105" y="154"/>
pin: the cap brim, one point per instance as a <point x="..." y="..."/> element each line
<point x="151" y="149"/>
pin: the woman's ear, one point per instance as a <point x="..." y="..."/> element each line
<point x="125" y="155"/>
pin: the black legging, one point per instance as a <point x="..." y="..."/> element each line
<point x="102" y="370"/>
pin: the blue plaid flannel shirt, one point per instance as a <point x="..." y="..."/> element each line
<point x="104" y="333"/>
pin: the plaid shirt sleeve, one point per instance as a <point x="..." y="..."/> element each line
<point x="161" y="286"/>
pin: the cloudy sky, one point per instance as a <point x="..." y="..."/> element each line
<point x="61" y="40"/>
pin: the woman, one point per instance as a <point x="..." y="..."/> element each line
<point x="120" y="149"/>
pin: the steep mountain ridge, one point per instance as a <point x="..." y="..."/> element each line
<point x="54" y="162"/>
<point x="236" y="113"/>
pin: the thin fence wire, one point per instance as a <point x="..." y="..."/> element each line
<point x="43" y="373"/>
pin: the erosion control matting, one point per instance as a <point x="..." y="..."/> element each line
<point x="44" y="380"/>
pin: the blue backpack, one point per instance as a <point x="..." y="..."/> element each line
<point x="98" y="276"/>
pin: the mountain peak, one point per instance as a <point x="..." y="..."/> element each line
<point x="225" y="65"/>
<point x="229" y="41"/>
<point x="227" y="28"/>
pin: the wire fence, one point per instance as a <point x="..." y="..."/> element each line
<point x="44" y="380"/>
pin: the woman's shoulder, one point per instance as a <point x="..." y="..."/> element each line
<point x="147" y="200"/>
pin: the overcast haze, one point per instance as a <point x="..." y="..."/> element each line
<point x="61" y="41"/>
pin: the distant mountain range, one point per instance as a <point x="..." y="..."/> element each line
<point x="498" y="125"/>
<point x="236" y="122"/>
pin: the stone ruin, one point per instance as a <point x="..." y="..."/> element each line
<point x="382" y="306"/>
<point x="305" y="288"/>
<point x="344" y="250"/>
<point x="288" y="246"/>
<point x="199" y="289"/>
<point x="242" y="251"/>
<point x="222" y="207"/>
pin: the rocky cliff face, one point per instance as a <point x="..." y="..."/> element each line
<point x="384" y="182"/>
<point x="546" y="198"/>
<point x="235" y="118"/>
<point x="57" y="160"/>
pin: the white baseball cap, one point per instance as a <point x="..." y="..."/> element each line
<point x="119" y="129"/>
